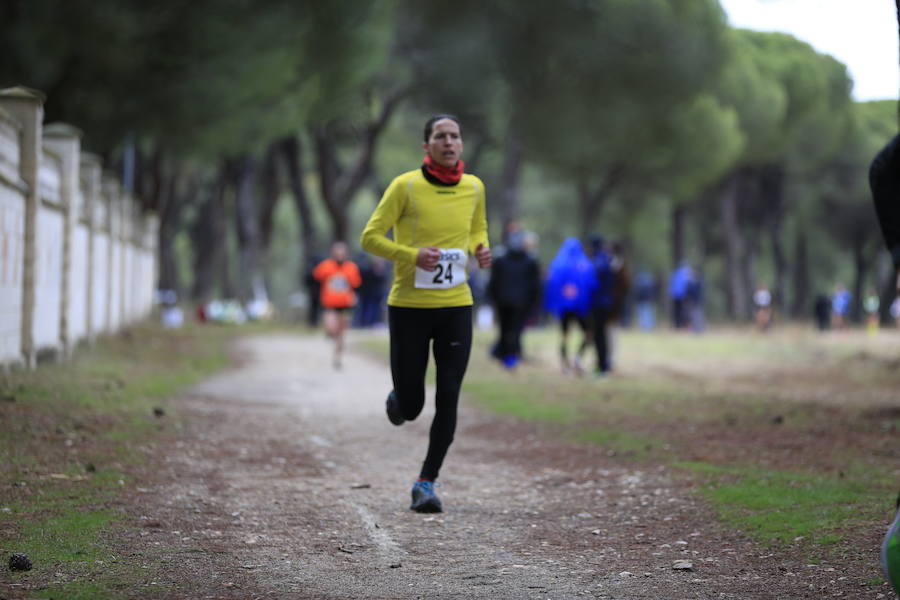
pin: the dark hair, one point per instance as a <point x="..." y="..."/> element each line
<point x="429" y="124"/>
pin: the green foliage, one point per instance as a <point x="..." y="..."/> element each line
<point x="800" y="99"/>
<point x="626" y="107"/>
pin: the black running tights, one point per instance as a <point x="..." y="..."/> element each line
<point x="412" y="330"/>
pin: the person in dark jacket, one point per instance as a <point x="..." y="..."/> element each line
<point x="513" y="290"/>
<point x="374" y="272"/>
<point x="822" y="311"/>
<point x="884" y="179"/>
<point x="603" y="303"/>
<point x="313" y="292"/>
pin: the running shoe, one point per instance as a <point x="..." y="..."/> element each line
<point x="393" y="409"/>
<point x="578" y="366"/>
<point x="424" y="500"/>
<point x="890" y="552"/>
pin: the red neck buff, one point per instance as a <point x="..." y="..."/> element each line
<point x="447" y="175"/>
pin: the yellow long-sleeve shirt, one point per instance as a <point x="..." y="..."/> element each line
<point x="426" y="214"/>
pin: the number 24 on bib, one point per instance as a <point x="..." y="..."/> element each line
<point x="449" y="272"/>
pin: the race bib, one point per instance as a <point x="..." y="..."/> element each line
<point x="338" y="283"/>
<point x="449" y="272"/>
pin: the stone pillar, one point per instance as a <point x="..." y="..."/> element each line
<point x="152" y="244"/>
<point x="124" y="252"/>
<point x="111" y="197"/>
<point x="65" y="140"/>
<point x="90" y="175"/>
<point x="27" y="107"/>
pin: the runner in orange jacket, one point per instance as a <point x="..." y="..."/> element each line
<point x="338" y="277"/>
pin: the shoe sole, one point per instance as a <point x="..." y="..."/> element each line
<point x="890" y="554"/>
<point x="428" y="506"/>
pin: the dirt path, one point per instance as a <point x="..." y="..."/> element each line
<point x="287" y="481"/>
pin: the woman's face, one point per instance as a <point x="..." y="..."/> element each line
<point x="444" y="146"/>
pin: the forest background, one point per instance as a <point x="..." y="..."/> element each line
<point x="260" y="132"/>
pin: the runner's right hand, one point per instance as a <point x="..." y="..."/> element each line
<point x="428" y="257"/>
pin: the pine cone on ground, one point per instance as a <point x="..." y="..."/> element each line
<point x="19" y="562"/>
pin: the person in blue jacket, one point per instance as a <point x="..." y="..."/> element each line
<point x="679" y="286"/>
<point x="568" y="292"/>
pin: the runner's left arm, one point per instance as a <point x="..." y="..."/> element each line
<point x="478" y="231"/>
<point x="373" y="238"/>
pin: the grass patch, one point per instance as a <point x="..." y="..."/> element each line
<point x="70" y="433"/>
<point x="619" y="441"/>
<point x="778" y="508"/>
<point x="69" y="537"/>
<point x="519" y="399"/>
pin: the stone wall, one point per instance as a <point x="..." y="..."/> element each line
<point x="77" y="255"/>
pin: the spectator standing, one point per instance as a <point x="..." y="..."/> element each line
<point x="621" y="283"/>
<point x="603" y="303"/>
<point x="313" y="292"/>
<point x="895" y="311"/>
<point x="840" y="307"/>
<point x="513" y="290"/>
<point x="871" y="306"/>
<point x="568" y="292"/>
<point x="762" y="304"/>
<point x="678" y="292"/>
<point x="822" y="310"/>
<point x="645" y="299"/>
<point x="694" y="304"/>
<point x="374" y="273"/>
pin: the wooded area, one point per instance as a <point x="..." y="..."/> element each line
<point x="259" y="134"/>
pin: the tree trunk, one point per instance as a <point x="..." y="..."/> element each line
<point x="859" y="264"/>
<point x="748" y="263"/>
<point x="270" y="191"/>
<point x="475" y="153"/>
<point x="773" y="195"/>
<point x="340" y="186"/>
<point x="209" y="236"/>
<point x="270" y="194"/>
<point x="227" y="282"/>
<point x="329" y="172"/>
<point x="887" y="286"/>
<point x="247" y="222"/>
<point x="509" y="180"/>
<point x="735" y="292"/>
<point x="587" y="209"/>
<point x="679" y="223"/>
<point x="169" y="224"/>
<point x="802" y="301"/>
<point x="292" y="153"/>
